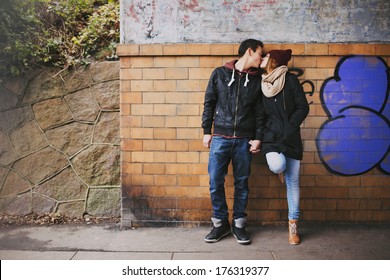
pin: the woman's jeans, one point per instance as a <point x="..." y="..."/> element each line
<point x="278" y="163"/>
<point x="222" y="152"/>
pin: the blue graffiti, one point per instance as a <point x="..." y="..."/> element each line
<point x="356" y="136"/>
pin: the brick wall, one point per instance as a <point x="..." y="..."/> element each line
<point x="164" y="165"/>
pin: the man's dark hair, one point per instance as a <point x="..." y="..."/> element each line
<point x="249" y="43"/>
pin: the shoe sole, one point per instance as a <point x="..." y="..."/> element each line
<point x="216" y="240"/>
<point x="242" y="242"/>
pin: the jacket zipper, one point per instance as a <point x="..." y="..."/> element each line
<point x="236" y="111"/>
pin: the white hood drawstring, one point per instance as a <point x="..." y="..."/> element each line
<point x="246" y="79"/>
<point x="232" y="80"/>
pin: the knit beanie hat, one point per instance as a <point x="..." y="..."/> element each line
<point x="281" y="56"/>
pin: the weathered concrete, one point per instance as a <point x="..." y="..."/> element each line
<point x="273" y="21"/>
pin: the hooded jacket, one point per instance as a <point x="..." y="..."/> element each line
<point x="282" y="116"/>
<point x="233" y="103"/>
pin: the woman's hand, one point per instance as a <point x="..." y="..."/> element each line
<point x="255" y="146"/>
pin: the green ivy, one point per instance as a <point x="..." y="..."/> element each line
<point x="59" y="33"/>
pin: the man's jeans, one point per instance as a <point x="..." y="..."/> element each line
<point x="278" y="163"/>
<point x="222" y="151"/>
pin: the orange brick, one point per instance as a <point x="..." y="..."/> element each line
<point x="142" y="157"/>
<point x="153" y="168"/>
<point x="131" y="145"/>
<point x="316" y="74"/>
<point x="164" y="157"/>
<point x="210" y="61"/>
<point x="196" y="145"/>
<point x="175" y="49"/>
<point x="316" y="49"/>
<point x="140" y="85"/>
<point x="188" y="133"/>
<point x="297" y="49"/>
<point x="188" y="181"/>
<point x="153" y="74"/>
<point x="188" y="109"/>
<point x="127" y="50"/>
<point x="177" y="145"/>
<point x="141" y="62"/>
<point x="142" y="109"/>
<point x="340" y="49"/>
<point x="176" y="121"/>
<point x="153" y="97"/>
<point x="187" y="157"/>
<point x="199" y="73"/>
<point x="141" y="180"/>
<point x="154" y="145"/>
<point x="222" y="49"/>
<point x="198" y="49"/>
<point x="176" y="73"/>
<point x="194" y="121"/>
<point x="165" y="180"/>
<point x="125" y="86"/>
<point x="188" y="85"/>
<point x="164" y="133"/>
<point x="131" y="74"/>
<point x="304" y="61"/>
<point x="177" y="168"/>
<point x="126" y="156"/>
<point x="164" y="85"/>
<point x="164" y="61"/>
<point x="130" y="121"/>
<point x="164" y="109"/>
<point x="131" y="97"/>
<point x="151" y="50"/>
<point x="327" y="61"/>
<point x="152" y="121"/>
<point x="125" y="109"/>
<point x="177" y="97"/>
<point x="197" y="97"/>
<point x="141" y="133"/>
<point x="382" y="49"/>
<point x="187" y="61"/>
<point x="132" y="168"/>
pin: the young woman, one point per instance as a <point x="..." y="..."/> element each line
<point x="284" y="109"/>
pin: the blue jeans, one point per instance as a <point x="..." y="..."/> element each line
<point x="222" y="152"/>
<point x="278" y="163"/>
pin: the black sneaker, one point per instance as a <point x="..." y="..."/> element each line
<point x="241" y="235"/>
<point x="217" y="233"/>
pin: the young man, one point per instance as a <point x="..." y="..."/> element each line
<point x="232" y="106"/>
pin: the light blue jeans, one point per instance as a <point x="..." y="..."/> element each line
<point x="278" y="163"/>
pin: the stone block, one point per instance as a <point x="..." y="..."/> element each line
<point x="28" y="139"/>
<point x="52" y="112"/>
<point x="104" y="202"/>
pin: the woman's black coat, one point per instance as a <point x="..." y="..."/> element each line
<point x="282" y="116"/>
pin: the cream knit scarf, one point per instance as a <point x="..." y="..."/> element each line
<point x="273" y="83"/>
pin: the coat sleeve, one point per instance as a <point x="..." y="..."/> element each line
<point x="260" y="117"/>
<point x="301" y="106"/>
<point x="210" y="102"/>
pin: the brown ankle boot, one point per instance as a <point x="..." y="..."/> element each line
<point x="281" y="177"/>
<point x="293" y="237"/>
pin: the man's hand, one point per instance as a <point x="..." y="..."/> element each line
<point x="207" y="140"/>
<point x="255" y="146"/>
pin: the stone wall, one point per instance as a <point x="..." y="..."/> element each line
<point x="59" y="142"/>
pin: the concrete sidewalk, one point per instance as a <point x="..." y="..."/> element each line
<point x="109" y="242"/>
